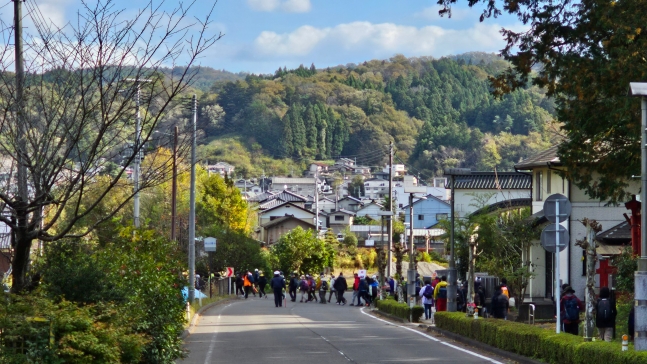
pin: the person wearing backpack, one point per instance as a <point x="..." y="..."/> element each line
<point x="440" y="294"/>
<point x="332" y="289"/>
<point x="340" y="286"/>
<point x="294" y="285"/>
<point x="500" y="304"/>
<point x="605" y="315"/>
<point x="504" y="288"/>
<point x="427" y="298"/>
<point x="262" y="282"/>
<point x="304" y="288"/>
<point x="323" y="287"/>
<point x="570" y="308"/>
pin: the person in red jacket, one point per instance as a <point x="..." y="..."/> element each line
<point x="356" y="292"/>
<point x="570" y="308"/>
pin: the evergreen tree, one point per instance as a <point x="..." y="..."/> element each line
<point x="286" y="140"/>
<point x="298" y="130"/>
<point x="310" y="124"/>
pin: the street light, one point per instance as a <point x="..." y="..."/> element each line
<point x="451" y="286"/>
<point x="411" y="273"/>
<point x="639" y="89"/>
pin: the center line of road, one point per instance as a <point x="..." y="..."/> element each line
<point x="434" y="339"/>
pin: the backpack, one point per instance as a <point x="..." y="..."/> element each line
<point x="442" y="292"/>
<point x="504" y="291"/>
<point x="324" y="286"/>
<point x="304" y="285"/>
<point x="428" y="293"/>
<point x="604" y="309"/>
<point x="571" y="310"/>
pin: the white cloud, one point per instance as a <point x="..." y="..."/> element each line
<point x="296" y="6"/>
<point x="290" y="6"/>
<point x="365" y="39"/>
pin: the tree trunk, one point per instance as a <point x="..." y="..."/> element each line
<point x="20" y="261"/>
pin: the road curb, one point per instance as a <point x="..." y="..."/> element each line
<point x="389" y="316"/>
<point x="477" y="344"/>
<point x="189" y="330"/>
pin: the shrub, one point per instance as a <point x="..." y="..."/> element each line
<point x="400" y="310"/>
<point x="536" y="342"/>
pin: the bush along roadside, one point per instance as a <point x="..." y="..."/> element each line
<point x="400" y="310"/>
<point x="536" y="342"/>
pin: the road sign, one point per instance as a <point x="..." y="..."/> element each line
<point x="549" y="241"/>
<point x="210" y="244"/>
<point x="550" y="207"/>
<point x="369" y="242"/>
<point x="229" y="271"/>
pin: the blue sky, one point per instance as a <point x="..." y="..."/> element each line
<point x="262" y="35"/>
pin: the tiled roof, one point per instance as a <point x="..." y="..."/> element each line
<point x="287" y="196"/>
<point x="344" y="211"/>
<point x="283" y="219"/>
<point x="288" y="204"/>
<point x="271" y="203"/>
<point x="493" y="181"/>
<point x="618" y="234"/>
<point x="548" y="156"/>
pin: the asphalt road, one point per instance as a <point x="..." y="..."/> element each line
<point x="254" y="331"/>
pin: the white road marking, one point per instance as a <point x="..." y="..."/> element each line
<point x="212" y="345"/>
<point x="434" y="339"/>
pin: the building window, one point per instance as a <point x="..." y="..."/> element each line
<point x="548" y="174"/>
<point x="421" y="217"/>
<point x="339" y="217"/>
<point x="539" y="196"/>
<point x="441" y="216"/>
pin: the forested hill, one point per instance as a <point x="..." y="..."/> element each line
<point x="438" y="112"/>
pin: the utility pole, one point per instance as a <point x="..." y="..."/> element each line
<point x="174" y="188"/>
<point x="137" y="148"/>
<point x="390" y="221"/>
<point x="194" y="108"/>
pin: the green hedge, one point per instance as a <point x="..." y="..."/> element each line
<point x="536" y="342"/>
<point x="400" y="310"/>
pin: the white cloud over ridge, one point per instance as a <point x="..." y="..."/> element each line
<point x="362" y="39"/>
<point x="288" y="6"/>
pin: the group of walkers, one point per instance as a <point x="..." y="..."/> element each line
<point x="365" y="289"/>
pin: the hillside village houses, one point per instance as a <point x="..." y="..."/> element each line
<point x="544" y="168"/>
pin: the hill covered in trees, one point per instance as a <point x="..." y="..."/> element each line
<point x="438" y="112"/>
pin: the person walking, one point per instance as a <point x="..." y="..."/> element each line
<point x="373" y="286"/>
<point x="247" y="284"/>
<point x="256" y="277"/>
<point x="312" y="286"/>
<point x="440" y="294"/>
<point x="570" y="307"/>
<point x="479" y="299"/>
<point x="323" y="287"/>
<point x="294" y="285"/>
<point x="303" y="288"/>
<point x="340" y="287"/>
<point x="278" y="284"/>
<point x="427" y="293"/>
<point x="362" y="289"/>
<point x="355" y="291"/>
<point x="391" y="286"/>
<point x="262" y="282"/>
<point x="605" y="315"/>
<point x="239" y="285"/>
<point x="500" y="304"/>
<point x="332" y="290"/>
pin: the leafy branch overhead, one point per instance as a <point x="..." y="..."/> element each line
<point x="584" y="54"/>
